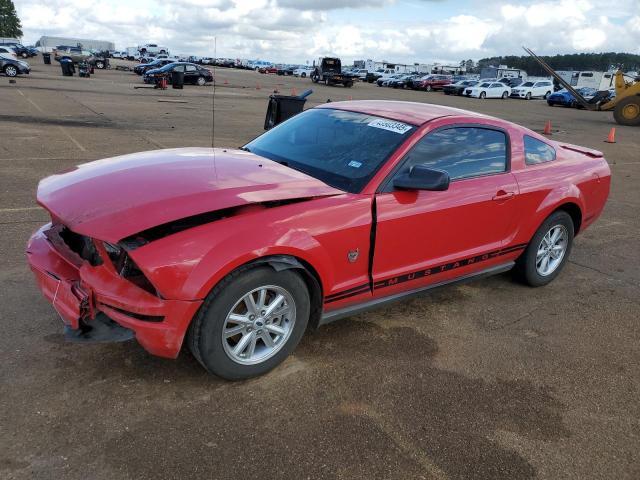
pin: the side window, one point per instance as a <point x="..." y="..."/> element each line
<point x="536" y="151"/>
<point x="178" y="68"/>
<point x="190" y="68"/>
<point x="462" y="152"/>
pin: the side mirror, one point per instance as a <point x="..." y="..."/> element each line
<point x="422" y="178"/>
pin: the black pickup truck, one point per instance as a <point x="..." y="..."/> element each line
<point x="329" y="71"/>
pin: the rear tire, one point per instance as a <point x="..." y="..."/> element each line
<point x="505" y="94"/>
<point x="530" y="267"/>
<point x="209" y="338"/>
<point x="627" y="111"/>
<point x="201" y="81"/>
<point x="428" y="88"/>
<point x="99" y="64"/>
<point x="527" y="96"/>
<point x="10" y="71"/>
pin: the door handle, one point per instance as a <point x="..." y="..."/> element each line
<point x="501" y="195"/>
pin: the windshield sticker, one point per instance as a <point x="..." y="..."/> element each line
<point x="390" y="125"/>
<point x="354" y="164"/>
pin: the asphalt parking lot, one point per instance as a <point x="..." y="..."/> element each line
<point x="488" y="380"/>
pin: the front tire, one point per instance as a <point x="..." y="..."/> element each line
<point x="547" y="251"/>
<point x="428" y="88"/>
<point x="303" y="75"/>
<point x="505" y="94"/>
<point x="527" y="96"/>
<point x="250" y="322"/>
<point x="99" y="64"/>
<point x="483" y="95"/>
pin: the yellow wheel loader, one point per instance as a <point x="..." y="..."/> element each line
<point x="625" y="105"/>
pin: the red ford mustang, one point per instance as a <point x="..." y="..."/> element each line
<point x="342" y="208"/>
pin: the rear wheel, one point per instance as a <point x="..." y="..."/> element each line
<point x="627" y="111"/>
<point x="505" y="94"/>
<point x="428" y="88"/>
<point x="547" y="251"/>
<point x="100" y="64"/>
<point x="201" y="81"/>
<point x="10" y="71"/>
<point x="251" y="321"/>
<point x="528" y="96"/>
<point x="546" y="95"/>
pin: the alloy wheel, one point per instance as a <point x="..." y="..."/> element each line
<point x="551" y="250"/>
<point x="259" y="325"/>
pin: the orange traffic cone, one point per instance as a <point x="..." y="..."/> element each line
<point x="257" y="86"/>
<point x="226" y="82"/>
<point x="612" y="136"/>
<point x="294" y="93"/>
<point x="547" y="128"/>
<point x="350" y="97"/>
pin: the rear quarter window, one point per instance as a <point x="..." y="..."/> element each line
<point x="536" y="151"/>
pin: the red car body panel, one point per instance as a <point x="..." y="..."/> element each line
<point x="360" y="246"/>
<point x="128" y="194"/>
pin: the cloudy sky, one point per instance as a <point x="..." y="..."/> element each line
<point x="299" y="30"/>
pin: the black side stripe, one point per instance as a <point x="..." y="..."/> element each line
<point x="357" y="289"/>
<point x="423" y="273"/>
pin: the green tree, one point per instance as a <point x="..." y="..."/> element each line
<point x="9" y="21"/>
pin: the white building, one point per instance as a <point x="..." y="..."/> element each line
<point x="46" y="43"/>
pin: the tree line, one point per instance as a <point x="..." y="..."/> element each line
<point x="573" y="61"/>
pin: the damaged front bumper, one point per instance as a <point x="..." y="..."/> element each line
<point x="97" y="304"/>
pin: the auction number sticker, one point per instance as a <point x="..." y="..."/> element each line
<point x="390" y="125"/>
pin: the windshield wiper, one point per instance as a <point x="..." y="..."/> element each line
<point x="245" y="149"/>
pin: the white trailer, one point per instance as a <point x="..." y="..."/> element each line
<point x="587" y="78"/>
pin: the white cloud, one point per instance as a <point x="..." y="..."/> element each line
<point x="299" y="30"/>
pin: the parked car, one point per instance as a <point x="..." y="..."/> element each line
<point x="384" y="81"/>
<point x="303" y="72"/>
<point x="152" y="48"/>
<point x="12" y="67"/>
<point x="19" y="49"/>
<point x="77" y="55"/>
<point x="529" y="90"/>
<point x="177" y="258"/>
<point x="459" y="87"/>
<point x="432" y="82"/>
<point x="566" y="99"/>
<point x="402" y="82"/>
<point x="194" y="74"/>
<point x="141" y="68"/>
<point x="488" y="90"/>
<point x="8" y="52"/>
<point x="268" y="69"/>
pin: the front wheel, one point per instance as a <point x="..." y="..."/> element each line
<point x="100" y="64"/>
<point x="547" y="251"/>
<point x="428" y="88"/>
<point x="505" y="94"/>
<point x="251" y="321"/>
<point x="528" y="96"/>
<point x="303" y="75"/>
<point x="483" y="95"/>
<point x="546" y="95"/>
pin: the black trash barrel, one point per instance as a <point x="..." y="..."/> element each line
<point x="46" y="57"/>
<point x="282" y="107"/>
<point x="177" y="79"/>
<point x="66" y="64"/>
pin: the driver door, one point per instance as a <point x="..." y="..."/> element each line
<point x="424" y="237"/>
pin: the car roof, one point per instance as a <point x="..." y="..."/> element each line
<point x="413" y="113"/>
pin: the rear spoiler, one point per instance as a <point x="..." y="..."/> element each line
<point x="583" y="150"/>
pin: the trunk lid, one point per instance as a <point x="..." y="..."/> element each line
<point x="117" y="197"/>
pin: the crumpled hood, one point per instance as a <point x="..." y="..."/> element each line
<point x="117" y="197"/>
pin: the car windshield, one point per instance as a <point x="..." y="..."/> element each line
<point x="527" y="84"/>
<point x="343" y="149"/>
<point x="485" y="85"/>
